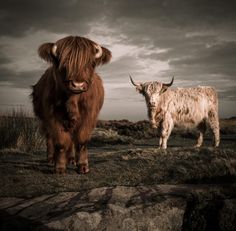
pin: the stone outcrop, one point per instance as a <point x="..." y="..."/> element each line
<point x="130" y="187"/>
<point x="157" y="207"/>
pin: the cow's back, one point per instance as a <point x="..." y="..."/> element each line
<point x="189" y="106"/>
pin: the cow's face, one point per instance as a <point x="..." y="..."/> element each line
<point x="74" y="60"/>
<point x="151" y="91"/>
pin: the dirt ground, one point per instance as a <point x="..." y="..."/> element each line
<point x="28" y="174"/>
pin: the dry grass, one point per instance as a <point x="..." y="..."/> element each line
<point x="18" y="130"/>
<point x="102" y="136"/>
<point x="228" y="126"/>
<point x="21" y="131"/>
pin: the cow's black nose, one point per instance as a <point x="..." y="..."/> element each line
<point x="152" y="104"/>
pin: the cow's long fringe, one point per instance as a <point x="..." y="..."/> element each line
<point x="76" y="53"/>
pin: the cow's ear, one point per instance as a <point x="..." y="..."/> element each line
<point x="139" y="88"/>
<point x="163" y="89"/>
<point x="45" y="52"/>
<point x="105" y="57"/>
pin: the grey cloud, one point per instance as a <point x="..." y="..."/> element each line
<point x="120" y="69"/>
<point x="75" y="16"/>
<point x="178" y="13"/>
<point x="3" y="58"/>
<point x="229" y="94"/>
<point x="217" y="59"/>
<point x="179" y="46"/>
<point x="18" y="79"/>
<point x="198" y="37"/>
<point x="17" y="17"/>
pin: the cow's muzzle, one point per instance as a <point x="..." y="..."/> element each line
<point x="77" y="87"/>
<point x="151" y="104"/>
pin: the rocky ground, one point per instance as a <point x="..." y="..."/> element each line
<point x="132" y="185"/>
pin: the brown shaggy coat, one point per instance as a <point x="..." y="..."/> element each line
<point x="68" y="97"/>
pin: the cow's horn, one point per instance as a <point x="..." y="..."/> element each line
<point x="169" y="84"/>
<point x="99" y="51"/>
<point x="54" y="50"/>
<point x="132" y="81"/>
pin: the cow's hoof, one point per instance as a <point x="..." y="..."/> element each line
<point x="83" y="168"/>
<point x="60" y="171"/>
<point x="154" y="125"/>
<point x="163" y="147"/>
<point x="197" y="146"/>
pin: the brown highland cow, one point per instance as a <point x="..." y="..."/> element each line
<point x="68" y="97"/>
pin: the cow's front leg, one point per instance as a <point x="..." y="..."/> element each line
<point x="71" y="155"/>
<point x="62" y="146"/>
<point x="159" y="135"/>
<point x="72" y="111"/>
<point x="160" y="142"/>
<point x="82" y="158"/>
<point x="167" y="127"/>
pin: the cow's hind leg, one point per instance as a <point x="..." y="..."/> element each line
<point x="50" y="149"/>
<point x="202" y="129"/>
<point x="214" y="124"/>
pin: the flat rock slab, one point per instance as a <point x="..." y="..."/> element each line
<point x="157" y="207"/>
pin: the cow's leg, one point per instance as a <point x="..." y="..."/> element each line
<point x="71" y="155"/>
<point x="80" y="142"/>
<point x="214" y="124"/>
<point x="160" y="142"/>
<point x="62" y="142"/>
<point x="159" y="134"/>
<point x="50" y="149"/>
<point x="82" y="158"/>
<point x="72" y="111"/>
<point x="167" y="127"/>
<point x="202" y="129"/>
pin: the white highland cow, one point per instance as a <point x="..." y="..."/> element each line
<point x="182" y="107"/>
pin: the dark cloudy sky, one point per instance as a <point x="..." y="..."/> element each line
<point x="194" y="40"/>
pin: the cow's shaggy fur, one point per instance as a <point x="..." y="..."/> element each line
<point x="182" y="107"/>
<point x="68" y="97"/>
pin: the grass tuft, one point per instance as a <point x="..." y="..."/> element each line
<point x="19" y="130"/>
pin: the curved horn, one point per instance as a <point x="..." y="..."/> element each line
<point x="169" y="84"/>
<point x="99" y="52"/>
<point x="54" y="50"/>
<point x="132" y="81"/>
